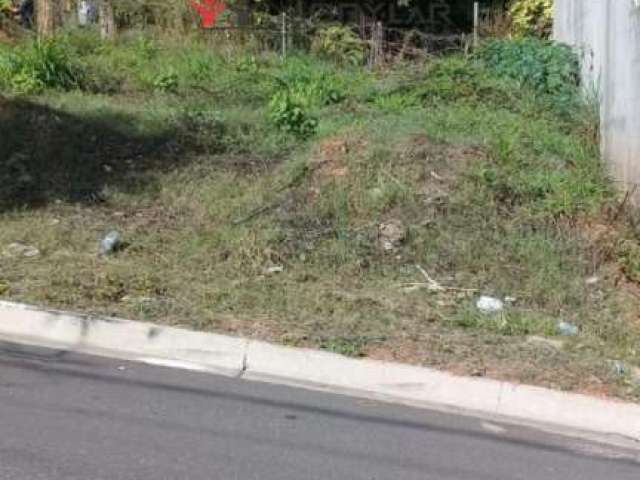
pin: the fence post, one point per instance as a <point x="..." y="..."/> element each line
<point x="476" y="24"/>
<point x="284" y="35"/>
<point x="377" y="38"/>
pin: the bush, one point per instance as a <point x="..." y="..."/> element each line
<point x="455" y="78"/>
<point x="290" y="116"/>
<point x="548" y="67"/>
<point x="531" y="17"/>
<point x="339" y="43"/>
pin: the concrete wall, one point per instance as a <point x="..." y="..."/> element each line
<point x="607" y="34"/>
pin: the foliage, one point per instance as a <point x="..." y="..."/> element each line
<point x="547" y="67"/>
<point x="38" y="65"/>
<point x="166" y="82"/>
<point x="339" y="43"/>
<point x="310" y="90"/>
<point x="290" y="116"/>
<point x="83" y="42"/>
<point x="531" y="17"/>
<point x="146" y="48"/>
<point x="173" y="15"/>
<point x="629" y="258"/>
<point x="456" y="78"/>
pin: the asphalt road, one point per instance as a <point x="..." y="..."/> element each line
<point x="68" y="416"/>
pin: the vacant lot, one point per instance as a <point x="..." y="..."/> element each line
<point x="317" y="204"/>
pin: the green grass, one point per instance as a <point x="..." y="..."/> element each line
<point x="176" y="146"/>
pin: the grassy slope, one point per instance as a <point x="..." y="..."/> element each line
<point x="491" y="189"/>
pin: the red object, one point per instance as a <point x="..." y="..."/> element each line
<point x="209" y="10"/>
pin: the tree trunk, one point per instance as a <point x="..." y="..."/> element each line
<point x="48" y="16"/>
<point x="107" y="20"/>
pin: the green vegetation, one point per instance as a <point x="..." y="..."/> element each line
<point x="39" y="65"/>
<point x="540" y="64"/>
<point x="292" y="201"/>
<point x="339" y="43"/>
<point x="531" y="17"/>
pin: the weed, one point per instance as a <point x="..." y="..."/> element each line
<point x="38" y="65"/>
<point x="290" y="116"/>
<point x="348" y="346"/>
<point x="512" y="323"/>
<point x="146" y="48"/>
<point x="629" y="256"/>
<point x="247" y="64"/>
<point x="166" y="82"/>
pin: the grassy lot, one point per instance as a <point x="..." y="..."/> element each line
<point x="301" y="202"/>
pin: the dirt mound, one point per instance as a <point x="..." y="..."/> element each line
<point x="330" y="159"/>
<point x="437" y="166"/>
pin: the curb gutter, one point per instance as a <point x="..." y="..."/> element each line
<point x="571" y="414"/>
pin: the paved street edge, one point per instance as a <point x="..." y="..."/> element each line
<point x="254" y="360"/>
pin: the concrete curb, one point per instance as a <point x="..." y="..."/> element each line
<point x="571" y="414"/>
<point x="125" y="339"/>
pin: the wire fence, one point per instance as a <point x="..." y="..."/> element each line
<point x="286" y="33"/>
<point x="381" y="44"/>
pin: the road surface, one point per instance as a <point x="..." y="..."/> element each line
<point x="65" y="416"/>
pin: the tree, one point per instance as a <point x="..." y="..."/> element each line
<point x="107" y="20"/>
<point x="48" y="16"/>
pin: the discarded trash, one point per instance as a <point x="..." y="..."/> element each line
<point x="510" y="299"/>
<point x="21" y="250"/>
<point x="567" y="329"/>
<point x="110" y="243"/>
<point x="391" y="234"/>
<point x="592" y="280"/>
<point x="387" y="246"/>
<point x="489" y="305"/>
<point x="618" y="368"/>
<point x="545" y="342"/>
<point x="275" y="269"/>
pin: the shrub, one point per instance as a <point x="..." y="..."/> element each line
<point x="338" y="43"/>
<point x="531" y="17"/>
<point x="548" y="67"/>
<point x="458" y="79"/>
<point x="290" y="116"/>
